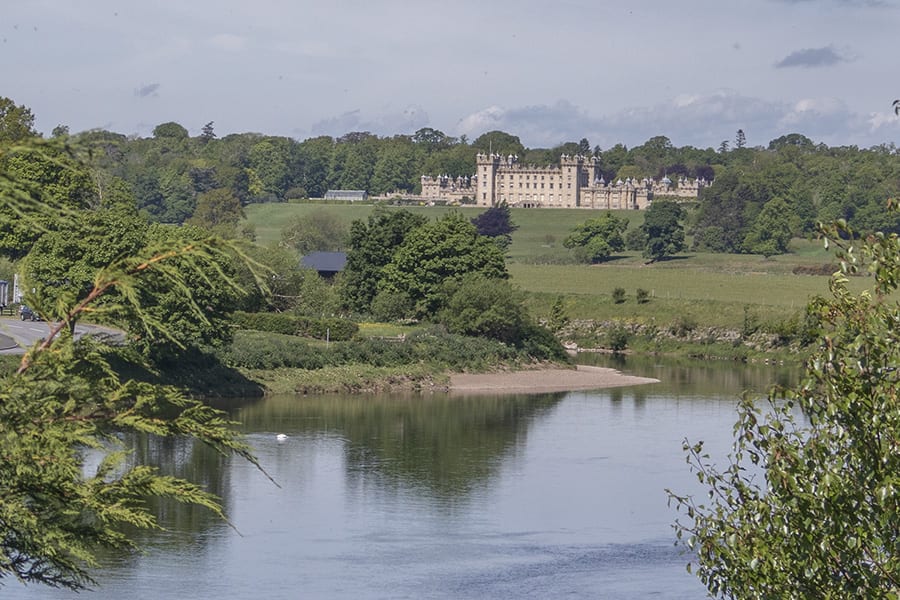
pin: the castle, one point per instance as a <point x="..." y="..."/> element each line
<point x="575" y="183"/>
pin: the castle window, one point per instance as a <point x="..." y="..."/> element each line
<point x="542" y="186"/>
<point x="551" y="185"/>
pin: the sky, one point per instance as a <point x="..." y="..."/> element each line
<point x="694" y="71"/>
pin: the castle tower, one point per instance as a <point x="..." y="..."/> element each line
<point x="573" y="179"/>
<point x="486" y="170"/>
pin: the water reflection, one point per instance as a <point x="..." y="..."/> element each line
<point x="696" y="376"/>
<point x="441" y="497"/>
<point x="442" y="446"/>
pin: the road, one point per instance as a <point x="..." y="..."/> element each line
<point x="25" y="333"/>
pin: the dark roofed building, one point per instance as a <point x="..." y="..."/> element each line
<point x="327" y="264"/>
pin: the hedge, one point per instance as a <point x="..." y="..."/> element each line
<point x="331" y="328"/>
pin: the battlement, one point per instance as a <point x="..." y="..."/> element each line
<point x="576" y="182"/>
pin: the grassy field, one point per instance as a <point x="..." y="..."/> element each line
<point x="713" y="289"/>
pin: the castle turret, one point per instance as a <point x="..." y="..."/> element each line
<point x="573" y="178"/>
<point x="487" y="165"/>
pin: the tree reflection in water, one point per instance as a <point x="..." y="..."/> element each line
<point x="443" y="446"/>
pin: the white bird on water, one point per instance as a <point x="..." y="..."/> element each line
<point x="281" y="437"/>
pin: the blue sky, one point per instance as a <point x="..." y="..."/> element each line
<point x="693" y="70"/>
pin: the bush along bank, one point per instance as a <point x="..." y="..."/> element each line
<point x="782" y="341"/>
<point x="319" y="328"/>
<point x="419" y="360"/>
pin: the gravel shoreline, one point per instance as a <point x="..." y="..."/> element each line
<point x="543" y="380"/>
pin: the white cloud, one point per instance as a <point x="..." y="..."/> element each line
<point x="390" y="122"/>
<point x="696" y="120"/>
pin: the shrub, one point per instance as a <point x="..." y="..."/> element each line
<point x="540" y="344"/>
<point x="617" y="338"/>
<point x="256" y="350"/>
<point x="750" y="324"/>
<point x="642" y="296"/>
<point x="484" y="307"/>
<point x="682" y="326"/>
<point x="264" y="321"/>
<point x="331" y="328"/>
<point x="391" y="306"/>
<point x="618" y="295"/>
<point x="635" y="239"/>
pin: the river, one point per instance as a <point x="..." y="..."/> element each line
<point x="406" y="496"/>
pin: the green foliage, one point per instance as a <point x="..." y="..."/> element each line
<point x="617" y="338"/>
<point x="683" y="325"/>
<point x="750" y="324"/>
<point x="596" y="239"/>
<point x="67" y="489"/>
<point x="372" y="245"/>
<point x="168" y="313"/>
<point x="642" y="296"/>
<point x="258" y="350"/>
<point x="635" y="239"/>
<point x="396" y="166"/>
<point x="318" y="230"/>
<point x="618" y="295"/>
<point x="32" y="173"/>
<point x="269" y="168"/>
<point x="437" y="253"/>
<point x="330" y="328"/>
<point x="559" y="317"/>
<point x="318" y="295"/>
<point x="663" y="230"/>
<point x="432" y="346"/>
<point x="809" y="502"/>
<point x="62" y="263"/>
<point x="771" y="231"/>
<point x="16" y="122"/>
<point x="499" y="142"/>
<point x="283" y="281"/>
<point x="392" y="306"/>
<point x="488" y="308"/>
<point x="170" y="130"/>
<point x="218" y="211"/>
<point x="496" y="222"/>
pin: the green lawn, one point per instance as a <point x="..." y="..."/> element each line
<point x="714" y="289"/>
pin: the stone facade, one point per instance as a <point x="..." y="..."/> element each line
<point x="575" y="183"/>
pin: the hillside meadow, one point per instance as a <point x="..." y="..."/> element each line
<point x="716" y="290"/>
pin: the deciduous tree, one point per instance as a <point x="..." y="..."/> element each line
<point x="372" y="245"/>
<point x="16" y="122"/>
<point x="218" y="211"/>
<point x="434" y="254"/>
<point x="771" y="231"/>
<point x="663" y="230"/>
<point x="496" y="222"/>
<point x="808" y="505"/>
<point x="596" y="239"/>
<point x="319" y="230"/>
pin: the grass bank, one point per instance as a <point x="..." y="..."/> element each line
<point x="713" y="294"/>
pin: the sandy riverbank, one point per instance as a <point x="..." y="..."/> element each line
<point x="543" y="380"/>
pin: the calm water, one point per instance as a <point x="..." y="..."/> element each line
<point x="541" y="496"/>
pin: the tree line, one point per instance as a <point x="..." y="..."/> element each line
<point x="759" y="196"/>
